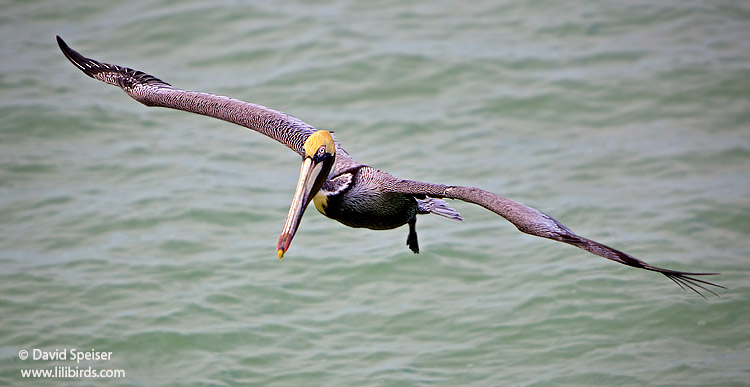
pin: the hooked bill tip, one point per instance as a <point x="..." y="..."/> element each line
<point x="281" y="253"/>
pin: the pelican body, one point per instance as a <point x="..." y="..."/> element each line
<point x="344" y="190"/>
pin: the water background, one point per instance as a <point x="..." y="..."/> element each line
<point x="151" y="233"/>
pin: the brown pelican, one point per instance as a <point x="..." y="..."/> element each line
<point x="344" y="190"/>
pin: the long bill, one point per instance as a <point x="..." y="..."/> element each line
<point x="311" y="177"/>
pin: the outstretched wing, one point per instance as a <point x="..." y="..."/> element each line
<point x="534" y="222"/>
<point x="152" y="91"/>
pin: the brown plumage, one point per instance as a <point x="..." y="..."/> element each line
<point x="345" y="190"/>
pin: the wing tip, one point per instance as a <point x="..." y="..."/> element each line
<point x="686" y="280"/>
<point x="123" y="77"/>
<point x="88" y="66"/>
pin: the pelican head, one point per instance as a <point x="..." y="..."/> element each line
<point x="320" y="152"/>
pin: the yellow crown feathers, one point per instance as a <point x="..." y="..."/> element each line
<point x="318" y="139"/>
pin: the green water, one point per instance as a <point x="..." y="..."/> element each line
<point x="151" y="233"/>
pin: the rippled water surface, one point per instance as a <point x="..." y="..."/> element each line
<point x="151" y="233"/>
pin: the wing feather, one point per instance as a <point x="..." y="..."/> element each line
<point x="534" y="222"/>
<point x="152" y="91"/>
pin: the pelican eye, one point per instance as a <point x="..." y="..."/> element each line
<point x="322" y="150"/>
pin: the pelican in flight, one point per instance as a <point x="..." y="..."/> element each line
<point x="342" y="189"/>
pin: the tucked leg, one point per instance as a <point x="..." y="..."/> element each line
<point x="411" y="240"/>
